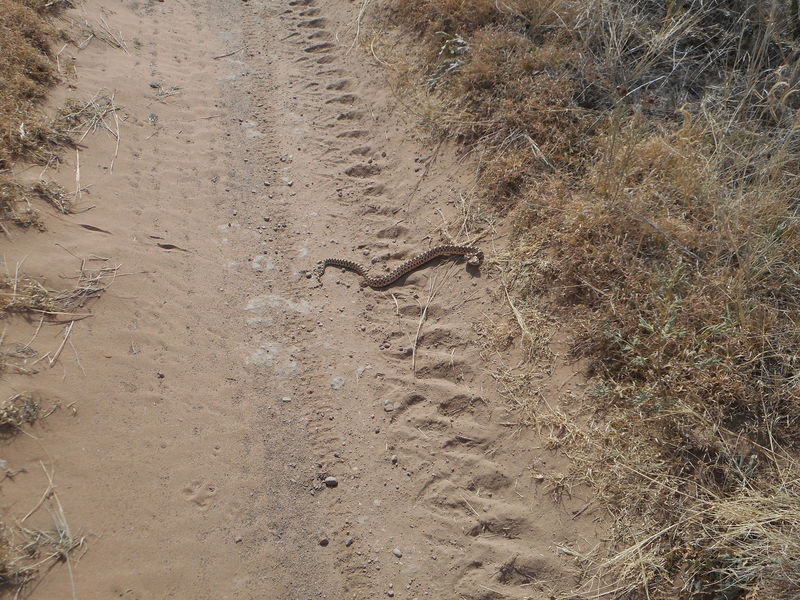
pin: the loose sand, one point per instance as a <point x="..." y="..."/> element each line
<point x="216" y="386"/>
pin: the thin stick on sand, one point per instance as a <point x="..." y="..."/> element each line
<point x="116" y="136"/>
<point x="77" y="176"/>
<point x="53" y="360"/>
<point x="361" y="12"/>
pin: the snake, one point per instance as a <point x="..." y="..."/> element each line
<point x="474" y="254"/>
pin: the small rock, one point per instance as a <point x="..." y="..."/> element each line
<point x="390" y="593"/>
<point x="349" y="542"/>
<point x="324" y="541"/>
<point x="286" y="399"/>
<point x="237" y="539"/>
<point x="397" y="552"/>
<point x="337" y="383"/>
<point x="331" y="482"/>
<point x="394" y="459"/>
<point x="337" y="454"/>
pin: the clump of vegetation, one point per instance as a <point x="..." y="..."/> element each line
<point x="18" y="410"/>
<point x="15" y="205"/>
<point x="26" y="73"/>
<point x="500" y="93"/>
<point x="649" y="151"/>
<point x="26" y="551"/>
<point x="15" y="201"/>
<point x="25" y="295"/>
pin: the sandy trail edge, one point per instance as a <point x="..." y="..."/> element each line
<point x="185" y="461"/>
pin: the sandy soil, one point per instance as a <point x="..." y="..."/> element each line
<point x="217" y="386"/>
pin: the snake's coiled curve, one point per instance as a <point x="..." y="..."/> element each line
<point x="474" y="254"/>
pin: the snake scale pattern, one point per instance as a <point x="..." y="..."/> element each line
<point x="475" y="258"/>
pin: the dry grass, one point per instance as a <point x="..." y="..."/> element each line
<point x="27" y="70"/>
<point x="16" y="206"/>
<point x="649" y="153"/>
<point x="26" y="73"/>
<point x="19" y="410"/>
<point x="23" y="295"/>
<point x="27" y="551"/>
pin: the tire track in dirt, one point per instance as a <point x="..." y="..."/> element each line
<point x="425" y="461"/>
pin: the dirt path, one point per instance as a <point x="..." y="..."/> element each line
<point x="222" y="386"/>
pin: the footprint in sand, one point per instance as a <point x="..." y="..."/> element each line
<point x="200" y="493"/>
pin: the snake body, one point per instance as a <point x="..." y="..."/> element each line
<point x="475" y="258"/>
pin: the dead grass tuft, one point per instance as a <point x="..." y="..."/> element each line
<point x="20" y="294"/>
<point x="19" y="410"/>
<point x="26" y="551"/>
<point x="26" y="72"/>
<point x="16" y="206"/>
<point x="650" y="155"/>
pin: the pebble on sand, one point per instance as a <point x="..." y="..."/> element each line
<point x="397" y="552"/>
<point x="331" y="482"/>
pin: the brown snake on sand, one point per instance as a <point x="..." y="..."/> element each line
<point x="475" y="258"/>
